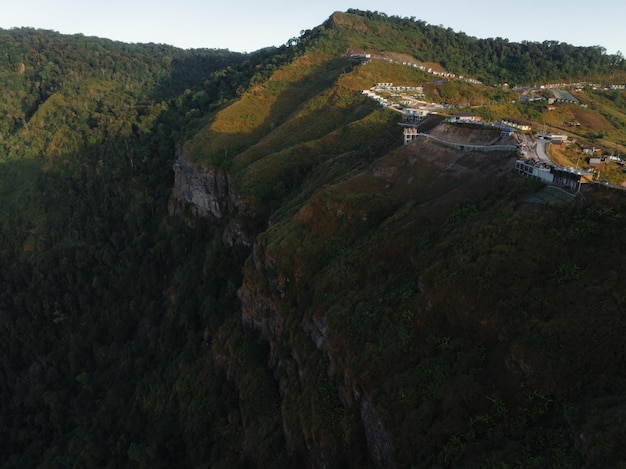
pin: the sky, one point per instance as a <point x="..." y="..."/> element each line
<point x="246" y="26"/>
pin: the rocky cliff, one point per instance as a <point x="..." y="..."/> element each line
<point x="299" y="297"/>
<point x="207" y="190"/>
<point x="319" y="399"/>
<point x="322" y="404"/>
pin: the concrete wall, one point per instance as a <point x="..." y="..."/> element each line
<point x="469" y="147"/>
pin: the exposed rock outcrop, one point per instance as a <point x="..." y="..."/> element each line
<point x="378" y="442"/>
<point x="206" y="189"/>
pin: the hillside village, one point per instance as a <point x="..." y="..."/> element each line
<point x="410" y="101"/>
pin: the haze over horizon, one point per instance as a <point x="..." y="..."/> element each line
<point x="249" y="26"/>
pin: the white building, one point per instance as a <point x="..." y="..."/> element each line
<point x="410" y="134"/>
<point x="538" y="171"/>
<point x="414" y="116"/>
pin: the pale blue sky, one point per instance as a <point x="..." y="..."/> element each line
<point x="247" y="25"/>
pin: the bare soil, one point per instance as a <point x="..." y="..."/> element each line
<point x="471" y="134"/>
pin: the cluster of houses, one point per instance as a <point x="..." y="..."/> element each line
<point x="423" y="68"/>
<point x="418" y="90"/>
<point x="383" y="93"/>
<point x="598" y="86"/>
<point x="376" y="97"/>
<point x="559" y="93"/>
<point x="517" y="124"/>
<point x="596" y="160"/>
<point x="366" y="58"/>
<point x="509" y="124"/>
<point x="443" y="74"/>
<point x="414" y="111"/>
<point x="588" y="149"/>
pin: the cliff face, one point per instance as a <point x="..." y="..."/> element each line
<point x="300" y="295"/>
<point x="379" y="324"/>
<point x="322" y="404"/>
<point x="207" y="190"/>
<point x="318" y="399"/>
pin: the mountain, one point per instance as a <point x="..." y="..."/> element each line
<point x="213" y="259"/>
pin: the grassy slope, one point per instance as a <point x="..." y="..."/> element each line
<point x="279" y="125"/>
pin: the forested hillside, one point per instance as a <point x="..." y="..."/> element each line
<point x="304" y="291"/>
<point x="493" y="60"/>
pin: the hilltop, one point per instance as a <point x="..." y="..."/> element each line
<point x="233" y="260"/>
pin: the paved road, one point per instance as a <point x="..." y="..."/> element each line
<point x="540" y="150"/>
<point x="534" y="148"/>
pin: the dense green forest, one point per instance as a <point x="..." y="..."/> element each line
<point x="104" y="317"/>
<point x="359" y="304"/>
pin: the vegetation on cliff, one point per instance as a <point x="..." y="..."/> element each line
<point x="400" y="306"/>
